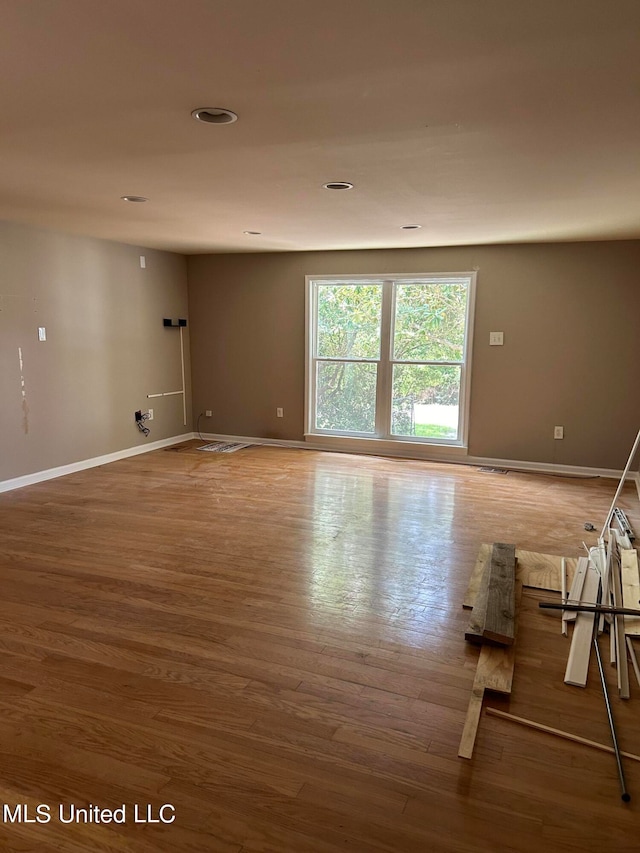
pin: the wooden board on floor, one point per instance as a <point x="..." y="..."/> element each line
<point x="630" y="588"/>
<point x="499" y="622"/>
<point x="476" y="576"/>
<point x="539" y="571"/>
<point x="575" y="590"/>
<point x="496" y="663"/>
<point x="493" y="612"/>
<point x="473" y="634"/>
<point x="494" y="672"/>
<point x="581" y="641"/>
<point x="543" y="571"/>
<point x="471" y="723"/>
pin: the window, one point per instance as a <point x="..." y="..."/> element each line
<point x="389" y="357"/>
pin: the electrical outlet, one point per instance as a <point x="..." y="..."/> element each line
<point x="42" y="333"/>
<point x="558" y="432"/>
<point x="279" y="413"/>
<point x="208" y="413"/>
<point x="150" y="413"/>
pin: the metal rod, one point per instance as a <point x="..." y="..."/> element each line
<point x="184" y="387"/>
<point x="623" y="785"/>
<point x="589" y="608"/>
<point x="564" y="593"/>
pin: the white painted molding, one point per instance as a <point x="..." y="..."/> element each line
<point x="406" y="450"/>
<point x="83" y="464"/>
<point x="427" y="453"/>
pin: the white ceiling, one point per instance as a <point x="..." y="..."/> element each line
<point x="482" y="120"/>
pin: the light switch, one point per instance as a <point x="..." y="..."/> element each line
<point x="42" y="333"/>
<point x="496" y="339"/>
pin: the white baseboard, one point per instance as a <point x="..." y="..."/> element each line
<point x="62" y="470"/>
<point x="431" y="453"/>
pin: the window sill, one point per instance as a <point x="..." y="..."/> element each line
<point x="388" y="447"/>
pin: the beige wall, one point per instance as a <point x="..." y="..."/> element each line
<point x="571" y="357"/>
<point x="106" y="348"/>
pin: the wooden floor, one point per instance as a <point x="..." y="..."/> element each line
<point x="272" y="642"/>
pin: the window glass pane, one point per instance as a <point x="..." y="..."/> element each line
<point x="349" y="320"/>
<point x="346" y="396"/>
<point x="430" y="321"/>
<point x="425" y="401"/>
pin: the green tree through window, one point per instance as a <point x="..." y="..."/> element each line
<point x="388" y="356"/>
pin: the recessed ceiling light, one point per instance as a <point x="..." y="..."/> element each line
<point x="136" y="198"/>
<point x="338" y="185"/>
<point x="214" y="115"/>
<point x="253" y="233"/>
<point x="410" y="227"/>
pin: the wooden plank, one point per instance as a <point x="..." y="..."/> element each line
<point x="602" y="558"/>
<point x="472" y="720"/>
<point x="618" y="627"/>
<point x="613" y="654"/>
<point x="496" y="663"/>
<point x="630" y="588"/>
<point x="494" y="712"/>
<point x="473" y="634"/>
<point x="543" y="571"/>
<point x="577" y="585"/>
<point x="580" y="652"/>
<point x="494" y="672"/>
<point x="482" y="559"/>
<point x="499" y="622"/>
<point x="539" y="571"/>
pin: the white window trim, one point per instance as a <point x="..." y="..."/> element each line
<point x="342" y="439"/>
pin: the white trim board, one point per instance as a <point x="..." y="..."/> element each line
<point x="431" y="453"/>
<point x="339" y="447"/>
<point x="83" y="464"/>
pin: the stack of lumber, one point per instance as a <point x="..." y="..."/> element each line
<point x="610" y="576"/>
<point x="495" y="599"/>
<point x="493" y="616"/>
<point x="607" y="568"/>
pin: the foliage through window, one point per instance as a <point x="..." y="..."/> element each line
<point x="388" y="358"/>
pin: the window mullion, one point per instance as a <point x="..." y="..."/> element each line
<point x="383" y="387"/>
